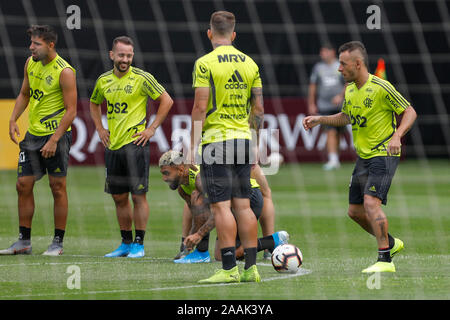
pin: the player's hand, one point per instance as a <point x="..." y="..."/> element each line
<point x="310" y="122"/>
<point x="395" y="146"/>
<point x="104" y="136"/>
<point x="49" y="149"/>
<point x="143" y="136"/>
<point x="13" y="130"/>
<point x="192" y="240"/>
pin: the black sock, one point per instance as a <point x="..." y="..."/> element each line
<point x="384" y="255"/>
<point x="203" y="244"/>
<point x="139" y="238"/>
<point x="59" y="235"/>
<point x="228" y="258"/>
<point x="266" y="243"/>
<point x="250" y="257"/>
<point x="127" y="236"/>
<point x="391" y="241"/>
<point x="24" y="233"/>
<point x="182" y="246"/>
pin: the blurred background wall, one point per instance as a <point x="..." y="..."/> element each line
<point x="282" y="36"/>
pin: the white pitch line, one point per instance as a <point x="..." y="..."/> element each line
<point x="300" y="272"/>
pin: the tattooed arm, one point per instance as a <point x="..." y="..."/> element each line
<point x="203" y="219"/>
<point x="257" y="110"/>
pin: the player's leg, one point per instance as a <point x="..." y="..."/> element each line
<point x="24" y="188"/>
<point x="60" y="212"/>
<point x="332" y="146"/>
<point x="56" y="167"/>
<point x="358" y="214"/>
<point x="30" y="169"/>
<point x="25" y="201"/>
<point x="140" y="217"/>
<point x="377" y="219"/>
<point x="137" y="168"/>
<point x="216" y="177"/>
<point x="124" y="214"/>
<point x="246" y="219"/>
<point x="381" y="172"/>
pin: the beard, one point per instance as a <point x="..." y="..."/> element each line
<point x="174" y="184"/>
<point x="120" y="68"/>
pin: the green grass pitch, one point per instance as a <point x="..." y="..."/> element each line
<point x="310" y="204"/>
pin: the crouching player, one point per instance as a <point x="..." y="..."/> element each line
<point x="186" y="180"/>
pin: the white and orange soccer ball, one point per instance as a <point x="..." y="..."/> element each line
<point x="287" y="258"/>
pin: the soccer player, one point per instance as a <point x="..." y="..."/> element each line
<point x="127" y="155"/>
<point x="227" y="103"/>
<point x="186" y="180"/>
<point x="266" y="219"/>
<point x="49" y="91"/>
<point x="370" y="106"/>
<point x="325" y="95"/>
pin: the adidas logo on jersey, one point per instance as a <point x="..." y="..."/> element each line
<point x="236" y="81"/>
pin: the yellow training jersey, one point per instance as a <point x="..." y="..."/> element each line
<point x="372" y="110"/>
<point x="193" y="173"/>
<point x="46" y="105"/>
<point x="230" y="75"/>
<point x="126" y="100"/>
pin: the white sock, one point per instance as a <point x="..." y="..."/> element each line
<point x="333" y="157"/>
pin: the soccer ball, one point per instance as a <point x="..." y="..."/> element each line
<point x="287" y="258"/>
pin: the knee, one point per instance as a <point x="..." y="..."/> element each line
<point x="355" y="211"/>
<point x="138" y="199"/>
<point x="58" y="188"/>
<point x="371" y="204"/>
<point x="23" y="187"/>
<point x="121" y="200"/>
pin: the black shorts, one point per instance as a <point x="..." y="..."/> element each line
<point x="127" y="169"/>
<point x="256" y="202"/>
<point x="227" y="174"/>
<point x="373" y="177"/>
<point x="31" y="162"/>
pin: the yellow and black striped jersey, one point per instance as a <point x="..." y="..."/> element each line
<point x="126" y="99"/>
<point x="46" y="105"/>
<point x="230" y="75"/>
<point x="372" y="110"/>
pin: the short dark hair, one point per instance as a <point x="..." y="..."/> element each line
<point x="356" y="45"/>
<point x="123" y="39"/>
<point x="327" y="45"/>
<point x="222" y="22"/>
<point x="46" y="32"/>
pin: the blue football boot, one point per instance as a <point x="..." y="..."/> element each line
<point x="195" y="257"/>
<point x="137" y="250"/>
<point x="280" y="237"/>
<point x="122" y="251"/>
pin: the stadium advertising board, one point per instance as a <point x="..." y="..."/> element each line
<point x="283" y="133"/>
